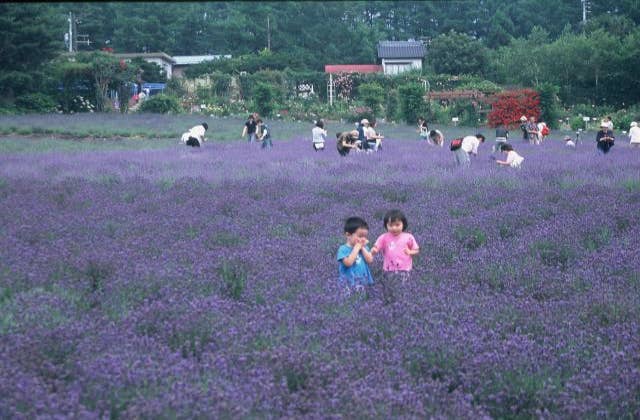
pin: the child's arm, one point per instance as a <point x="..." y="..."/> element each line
<point x="374" y="250"/>
<point x="244" y="131"/>
<point x="368" y="256"/>
<point x="502" y="162"/>
<point x="348" y="261"/>
<point x="412" y="248"/>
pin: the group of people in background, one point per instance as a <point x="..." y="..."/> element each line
<point x="366" y="138"/>
<point x="534" y="133"/>
<point x="257" y="130"/>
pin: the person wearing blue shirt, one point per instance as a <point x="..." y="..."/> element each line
<point x="354" y="256"/>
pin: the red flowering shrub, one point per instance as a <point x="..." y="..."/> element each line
<point x="508" y="107"/>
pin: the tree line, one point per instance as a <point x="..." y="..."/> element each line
<point x="520" y="42"/>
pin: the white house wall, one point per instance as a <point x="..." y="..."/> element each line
<point x="165" y="66"/>
<point x="397" y="66"/>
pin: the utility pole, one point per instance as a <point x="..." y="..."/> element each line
<point x="586" y="8"/>
<point x="268" y="34"/>
<point x="72" y="36"/>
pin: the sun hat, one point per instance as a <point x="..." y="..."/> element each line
<point x="523" y="118"/>
<point x="567" y="138"/>
<point x="634" y="124"/>
<point x="604" y="124"/>
<point x="364" y="121"/>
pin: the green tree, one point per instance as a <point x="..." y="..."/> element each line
<point x="412" y="102"/>
<point x="456" y="53"/>
<point x="263" y="98"/>
<point x="28" y="40"/>
<point x="549" y="104"/>
<point x="372" y="94"/>
<point x="501" y="30"/>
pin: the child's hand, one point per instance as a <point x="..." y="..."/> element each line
<point x="407" y="251"/>
<point x="363" y="241"/>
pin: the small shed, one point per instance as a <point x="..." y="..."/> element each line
<point x="400" y="56"/>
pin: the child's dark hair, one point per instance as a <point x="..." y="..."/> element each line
<point x="320" y="124"/>
<point x="354" y="223"/>
<point x="396" y="216"/>
<point x="480" y="137"/>
<point x="506" y="147"/>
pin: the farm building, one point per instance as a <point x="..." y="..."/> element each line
<point x="400" y="56"/>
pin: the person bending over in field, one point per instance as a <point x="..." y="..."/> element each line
<point x="568" y="142"/>
<point x="465" y="147"/>
<point x="347" y="140"/>
<point x="436" y="138"/>
<point x="195" y="136"/>
<point x="513" y="159"/>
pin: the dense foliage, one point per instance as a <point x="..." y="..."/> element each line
<point x="508" y="107"/>
<point x="540" y="44"/>
<point x="160" y="104"/>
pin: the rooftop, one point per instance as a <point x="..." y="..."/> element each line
<point x="400" y="49"/>
<point x="352" y="68"/>
<point x="185" y="60"/>
<point x="162" y="55"/>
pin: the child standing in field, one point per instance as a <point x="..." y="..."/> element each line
<point x="354" y="256"/>
<point x="397" y="247"/>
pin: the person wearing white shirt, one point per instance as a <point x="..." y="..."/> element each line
<point x="513" y="160"/>
<point x="319" y="136"/>
<point x="372" y="136"/>
<point x="609" y="122"/>
<point x="634" y="135"/>
<point x="436" y="138"/>
<point x="195" y="136"/>
<point x="469" y="146"/>
<point x="568" y="142"/>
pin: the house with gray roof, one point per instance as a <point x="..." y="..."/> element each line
<point x="400" y="56"/>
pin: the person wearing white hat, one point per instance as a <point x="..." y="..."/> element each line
<point x="523" y="127"/>
<point x="634" y="135"/>
<point x="604" y="139"/>
<point x="362" y="134"/>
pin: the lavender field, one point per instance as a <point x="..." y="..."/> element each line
<point x="149" y="280"/>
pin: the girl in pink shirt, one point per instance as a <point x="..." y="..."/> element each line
<point x="396" y="245"/>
